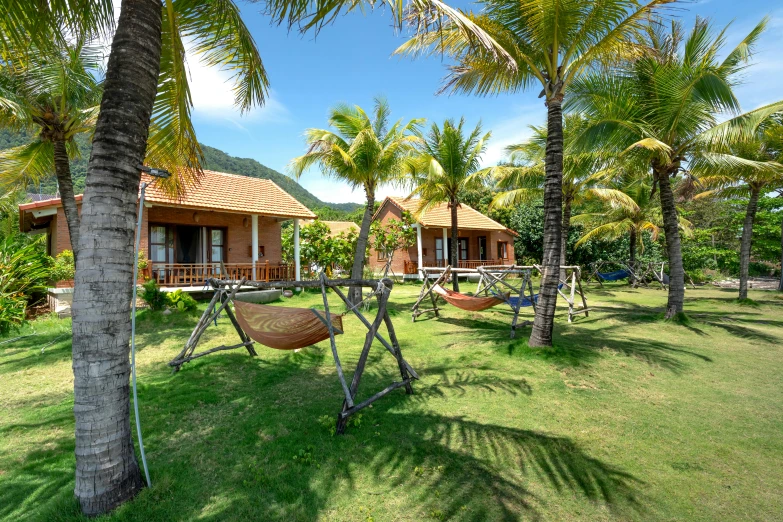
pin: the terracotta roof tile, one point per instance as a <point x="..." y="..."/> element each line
<point x="234" y="193"/>
<point x="440" y="215"/>
<point x="220" y="191"/>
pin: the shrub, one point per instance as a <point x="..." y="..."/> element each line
<point x="181" y="301"/>
<point x="63" y="269"/>
<point x="152" y="295"/>
<point x="24" y="272"/>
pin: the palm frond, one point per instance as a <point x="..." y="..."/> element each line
<point x="26" y="165"/>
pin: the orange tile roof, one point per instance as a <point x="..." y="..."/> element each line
<point x="439" y="216"/>
<point x="234" y="193"/>
<point x="337" y="227"/>
<point x="220" y="191"/>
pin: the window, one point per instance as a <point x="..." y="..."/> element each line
<point x="217" y="237"/>
<point x="502" y="250"/>
<point x="382" y="255"/>
<point x="161" y="244"/>
<point x="463" y="248"/>
<point x="438" y="250"/>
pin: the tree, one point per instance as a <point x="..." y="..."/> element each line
<point x="441" y="170"/>
<point x="509" y="47"/>
<point x="661" y="107"/>
<point x="364" y="152"/>
<point x="633" y="215"/>
<point x="748" y="167"/>
<point x="319" y="249"/>
<point x="393" y="235"/>
<point x="57" y="93"/>
<point x="584" y="173"/>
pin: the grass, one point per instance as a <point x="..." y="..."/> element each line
<point x="628" y="417"/>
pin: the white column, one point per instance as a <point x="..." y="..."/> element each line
<point x="297" y="263"/>
<point x="418" y="249"/>
<point x="446" y="253"/>
<point x="254" y="241"/>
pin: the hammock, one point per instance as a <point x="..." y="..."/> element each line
<point x="527" y="301"/>
<point x="614" y="276"/>
<point x="466" y="302"/>
<point x="284" y="328"/>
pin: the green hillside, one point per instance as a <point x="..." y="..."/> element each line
<point x="215" y="160"/>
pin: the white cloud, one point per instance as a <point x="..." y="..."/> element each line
<point x="213" y="97"/>
<point x="512" y="130"/>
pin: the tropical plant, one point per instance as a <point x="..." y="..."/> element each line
<point x="56" y="93"/>
<point x="153" y="295"/>
<point x="633" y="216"/>
<point x="320" y="249"/>
<point x="181" y="301"/>
<point x="64" y="266"/>
<point x="510" y="46"/>
<point x="584" y="175"/>
<point x="24" y="271"/>
<point x="366" y="152"/>
<point x="662" y="107"/>
<point x="393" y="235"/>
<point x="748" y="167"/>
<point x="442" y="169"/>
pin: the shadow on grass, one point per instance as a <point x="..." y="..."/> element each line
<point x="222" y="433"/>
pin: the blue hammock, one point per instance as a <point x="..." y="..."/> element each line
<point x="614" y="276"/>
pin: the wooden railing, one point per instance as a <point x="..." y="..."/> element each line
<point x="411" y="267"/>
<point x="180" y="274"/>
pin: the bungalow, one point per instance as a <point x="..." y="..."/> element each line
<point x="226" y="225"/>
<point x="482" y="241"/>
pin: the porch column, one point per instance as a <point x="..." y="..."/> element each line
<point x="418" y="249"/>
<point x="446" y="251"/>
<point x="297" y="263"/>
<point x="254" y="241"/>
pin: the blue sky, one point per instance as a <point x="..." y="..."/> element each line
<point x="350" y="61"/>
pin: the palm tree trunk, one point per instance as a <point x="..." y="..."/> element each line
<point x="62" y="169"/>
<point x="780" y="286"/>
<point x="553" y="216"/>
<point x="566" y="227"/>
<point x="632" y="254"/>
<point x="454" y="245"/>
<point x="745" y="242"/>
<point x="355" y="292"/>
<point x="673" y="248"/>
<point x="107" y="473"/>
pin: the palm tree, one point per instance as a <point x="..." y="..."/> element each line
<point x="365" y="152"/>
<point x="661" y="107"/>
<point x="749" y="167"/>
<point x="442" y="169"/>
<point x="584" y="174"/>
<point x="633" y="216"/>
<point x="511" y="46"/>
<point x="56" y="93"/>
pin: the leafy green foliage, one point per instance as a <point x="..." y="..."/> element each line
<point x="319" y="249"/>
<point x="180" y="300"/>
<point x="153" y="295"/>
<point x="63" y="269"/>
<point x="24" y="273"/>
<point x="394" y="234"/>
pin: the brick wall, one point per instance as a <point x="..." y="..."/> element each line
<point x="238" y="236"/>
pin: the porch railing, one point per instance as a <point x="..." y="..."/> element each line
<point x="196" y="274"/>
<point x="412" y="267"/>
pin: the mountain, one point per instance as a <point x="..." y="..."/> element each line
<point x="215" y="160"/>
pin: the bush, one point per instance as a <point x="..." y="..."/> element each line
<point x="24" y="272"/>
<point x="63" y="269"/>
<point x="181" y="301"/>
<point x="152" y="295"/>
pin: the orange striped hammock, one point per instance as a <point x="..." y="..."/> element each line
<point x="285" y="328"/>
<point x="466" y="302"/>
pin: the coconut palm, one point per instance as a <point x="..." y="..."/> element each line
<point x="442" y="169"/>
<point x="365" y="152"/>
<point x="747" y="168"/>
<point x="633" y="216"/>
<point x="511" y="46"/>
<point x="662" y="106"/>
<point x="56" y="94"/>
<point x="584" y="174"/>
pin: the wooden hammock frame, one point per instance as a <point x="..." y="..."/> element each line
<point x="572" y="283"/>
<point x="641" y="273"/>
<point x="493" y="282"/>
<point x="225" y="292"/>
<point x="426" y="289"/>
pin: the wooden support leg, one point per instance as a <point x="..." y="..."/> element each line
<point x="398" y="353"/>
<point x="340" y="375"/>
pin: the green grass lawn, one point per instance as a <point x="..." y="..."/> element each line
<point x="629" y="417"/>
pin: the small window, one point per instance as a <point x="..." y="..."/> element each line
<point x="382" y="255"/>
<point x="502" y="250"/>
<point x="438" y="249"/>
